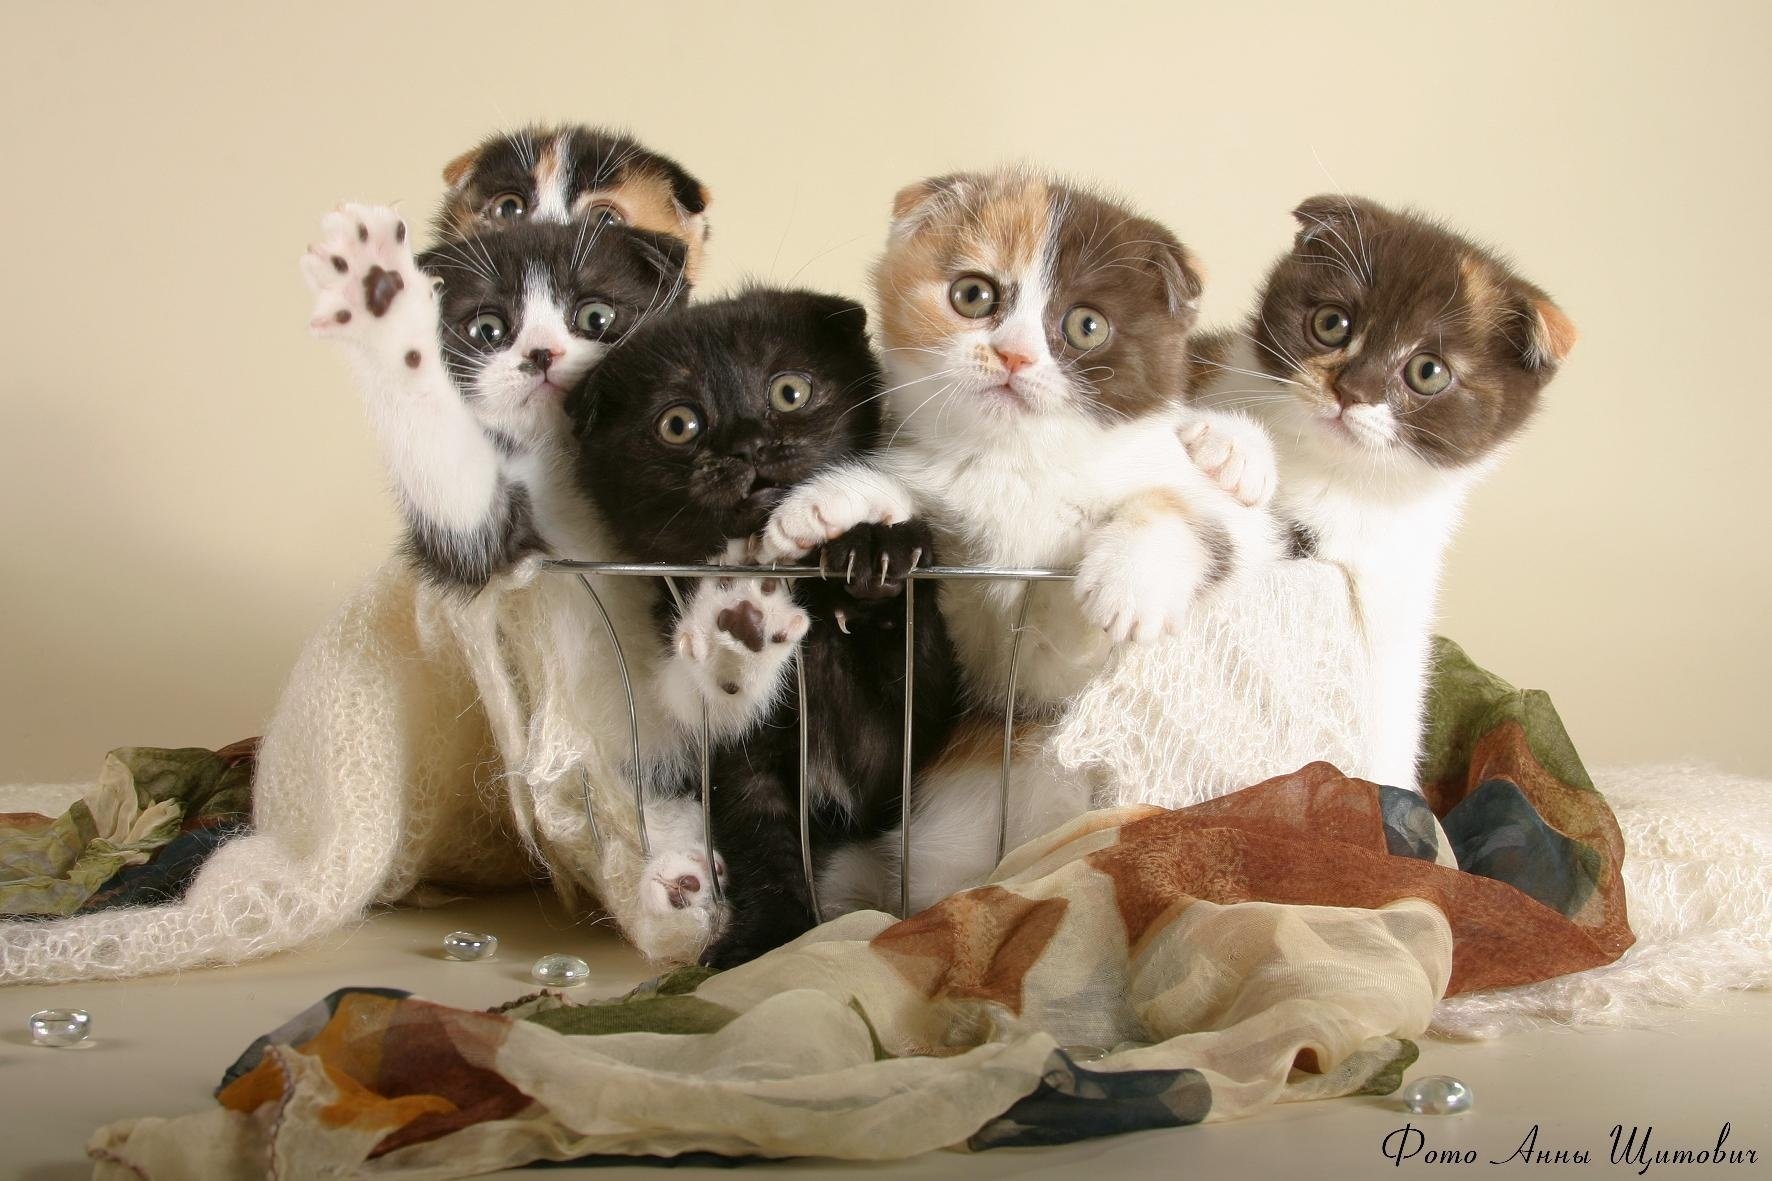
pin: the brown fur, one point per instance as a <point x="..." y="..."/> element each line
<point x="1007" y="225"/>
<point x="1411" y="286"/>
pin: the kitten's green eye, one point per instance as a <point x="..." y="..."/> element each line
<point x="487" y="330"/>
<point x="679" y="425"/>
<point x="1331" y="325"/>
<point x="1085" y="328"/>
<point x="973" y="296"/>
<point x="789" y="391"/>
<point x="507" y="207"/>
<point x="1427" y="374"/>
<point x="605" y="214"/>
<point x="594" y="318"/>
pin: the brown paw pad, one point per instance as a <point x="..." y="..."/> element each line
<point x="743" y="621"/>
<point x="379" y="289"/>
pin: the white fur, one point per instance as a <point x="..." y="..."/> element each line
<point x="1012" y="469"/>
<point x="714" y="676"/>
<point x="445" y="467"/>
<point x="1382" y="514"/>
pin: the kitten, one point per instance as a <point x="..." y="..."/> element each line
<point x="1393" y="361"/>
<point x="1035" y="338"/>
<point x="569" y="173"/>
<point x="689" y="435"/>
<point x="465" y="355"/>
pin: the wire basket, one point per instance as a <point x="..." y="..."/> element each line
<point x="584" y="571"/>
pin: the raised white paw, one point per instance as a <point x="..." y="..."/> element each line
<point x="731" y="643"/>
<point x="367" y="289"/>
<point x="1236" y="452"/>
<point x="826" y="508"/>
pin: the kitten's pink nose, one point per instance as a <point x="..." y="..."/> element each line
<point x="1014" y="362"/>
<point x="542" y="358"/>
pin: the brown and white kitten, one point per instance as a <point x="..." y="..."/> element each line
<point x="1035" y="341"/>
<point x="573" y="172"/>
<point x="1393" y="361"/>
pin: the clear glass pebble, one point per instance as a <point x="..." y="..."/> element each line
<point x="1437" y="1094"/>
<point x="60" y="1027"/>
<point x="560" y="971"/>
<point x="469" y="945"/>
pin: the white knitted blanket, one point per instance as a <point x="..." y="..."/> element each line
<point x="426" y="742"/>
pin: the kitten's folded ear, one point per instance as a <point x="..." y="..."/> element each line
<point x="916" y="202"/>
<point x="1548" y="334"/>
<point x="1182" y="276"/>
<point x="457" y="171"/>
<point x="838" y="313"/>
<point x="1333" y="215"/>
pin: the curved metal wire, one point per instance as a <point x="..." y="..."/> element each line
<point x="707" y="782"/>
<point x="627" y="687"/>
<point x="805" y="793"/>
<point x="669" y="573"/>
<point x="904" y="796"/>
<point x="1021" y="619"/>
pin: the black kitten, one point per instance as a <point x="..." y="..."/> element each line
<point x="689" y="435"/>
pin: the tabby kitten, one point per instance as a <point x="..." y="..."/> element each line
<point x="1035" y="338"/>
<point x="1393" y="362"/>
<point x="571" y="173"/>
<point x="688" y="436"/>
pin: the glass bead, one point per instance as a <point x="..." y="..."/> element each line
<point x="560" y="971"/>
<point x="60" y="1027"/>
<point x="469" y="945"/>
<point x="1437" y="1094"/>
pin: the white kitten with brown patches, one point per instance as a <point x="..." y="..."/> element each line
<point x="1035" y="340"/>
<point x="1035" y="337"/>
<point x="1393" y="362"/>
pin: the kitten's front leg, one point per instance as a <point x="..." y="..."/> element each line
<point x="369" y="295"/>
<point x="1236" y="452"/>
<point x="730" y="648"/>
<point x="1145" y="566"/>
<point x="827" y="506"/>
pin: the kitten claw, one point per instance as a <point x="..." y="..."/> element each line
<point x="842" y="621"/>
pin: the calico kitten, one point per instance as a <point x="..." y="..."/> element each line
<point x="568" y="173"/>
<point x="689" y="435"/>
<point x="465" y="356"/>
<point x="1035" y="338"/>
<point x="1393" y="362"/>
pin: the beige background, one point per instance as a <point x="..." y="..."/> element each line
<point x="189" y="485"/>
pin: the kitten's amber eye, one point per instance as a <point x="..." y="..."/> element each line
<point x="1331" y="325"/>
<point x="594" y="318"/>
<point x="487" y="330"/>
<point x="1427" y="374"/>
<point x="605" y="214"/>
<point x="973" y="296"/>
<point x="789" y="391"/>
<point x="1085" y="328"/>
<point x="507" y="207"/>
<point x="679" y="425"/>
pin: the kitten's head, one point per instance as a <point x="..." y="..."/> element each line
<point x="563" y="173"/>
<point x="1407" y="343"/>
<point x="526" y="311"/>
<point x="1014" y="296"/>
<point x="692" y="431"/>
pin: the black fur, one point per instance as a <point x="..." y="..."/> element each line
<point x="680" y="503"/>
